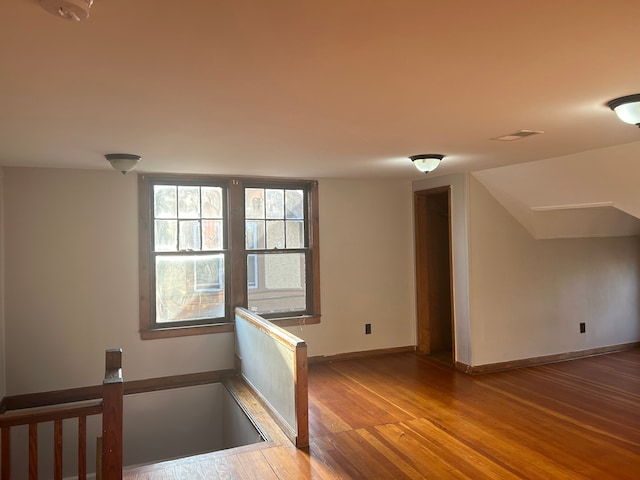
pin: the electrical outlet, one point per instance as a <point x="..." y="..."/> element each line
<point x="367" y="329"/>
<point x="583" y="327"/>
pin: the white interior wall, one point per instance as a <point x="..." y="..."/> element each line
<point x="366" y="265"/>
<point x="173" y="423"/>
<point x="71" y="289"/>
<point x="237" y="428"/>
<point x="72" y="279"/>
<point x="528" y="296"/>
<point x="460" y="257"/>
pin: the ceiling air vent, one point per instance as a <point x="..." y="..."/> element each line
<point x="518" y="135"/>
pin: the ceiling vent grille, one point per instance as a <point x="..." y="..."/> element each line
<point x="517" y="135"/>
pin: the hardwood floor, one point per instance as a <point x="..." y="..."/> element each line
<point x="407" y="416"/>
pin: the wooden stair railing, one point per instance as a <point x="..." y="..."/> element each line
<point x="62" y="405"/>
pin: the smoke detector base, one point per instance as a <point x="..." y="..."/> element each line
<point x="75" y="10"/>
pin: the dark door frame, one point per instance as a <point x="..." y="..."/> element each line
<point x="426" y="277"/>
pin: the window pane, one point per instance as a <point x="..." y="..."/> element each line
<point x="189" y="235"/>
<point x="165" y="201"/>
<point x="188" y="202"/>
<point x="254" y="234"/>
<point x="295" y="234"/>
<point x="275" y="203"/>
<point x="254" y="203"/>
<point x="295" y="204"/>
<point x="212" y="235"/>
<point x="284" y="288"/>
<point x="189" y="288"/>
<point x="275" y="234"/>
<point x="252" y="271"/>
<point x="165" y="235"/>
<point x="209" y="273"/>
<point x="211" y="202"/>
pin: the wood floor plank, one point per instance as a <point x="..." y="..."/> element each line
<point x="601" y="416"/>
<point x="364" y="458"/>
<point x="370" y="409"/>
<point x="255" y="467"/>
<point x="324" y="451"/>
<point x="389" y="451"/>
<point x="289" y="463"/>
<point x="429" y="460"/>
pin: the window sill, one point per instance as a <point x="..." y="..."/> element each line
<point x="186" y="331"/>
<point x="190" y="330"/>
<point x="296" y="321"/>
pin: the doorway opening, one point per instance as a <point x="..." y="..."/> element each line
<point x="436" y="332"/>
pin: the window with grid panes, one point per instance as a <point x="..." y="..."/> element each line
<point x="196" y="232"/>
<point x="277" y="250"/>
<point x="189" y="254"/>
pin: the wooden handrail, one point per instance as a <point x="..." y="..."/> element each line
<point x="14" y="419"/>
<point x="66" y="404"/>
<point x="55" y="397"/>
<point x="287" y="339"/>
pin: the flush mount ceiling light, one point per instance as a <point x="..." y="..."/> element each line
<point x="627" y="108"/>
<point x="426" y="162"/>
<point x="75" y="10"/>
<point x="123" y="162"/>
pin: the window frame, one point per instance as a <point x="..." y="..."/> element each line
<point x="235" y="252"/>
<point x="306" y="250"/>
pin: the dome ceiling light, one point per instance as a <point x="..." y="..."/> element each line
<point x="123" y="162"/>
<point x="627" y="108"/>
<point x="426" y="162"/>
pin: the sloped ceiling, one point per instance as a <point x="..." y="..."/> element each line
<point x="584" y="221"/>
<point x="331" y="88"/>
<point x="590" y="194"/>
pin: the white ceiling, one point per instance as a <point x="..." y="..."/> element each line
<point x="325" y="88"/>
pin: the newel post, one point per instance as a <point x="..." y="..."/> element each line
<point x="112" y="406"/>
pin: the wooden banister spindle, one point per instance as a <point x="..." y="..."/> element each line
<point x="111" y="408"/>
<point x="33" y="451"/>
<point x="82" y="447"/>
<point x="57" y="449"/>
<point x="5" y="454"/>
<point x="113" y="390"/>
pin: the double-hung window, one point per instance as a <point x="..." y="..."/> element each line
<point x="277" y="249"/>
<point x="209" y="244"/>
<point x="188" y="253"/>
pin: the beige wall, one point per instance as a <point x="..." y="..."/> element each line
<point x="528" y="296"/>
<point x="366" y="268"/>
<point x="72" y="284"/>
<point x="71" y="280"/>
<point x="71" y="266"/>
